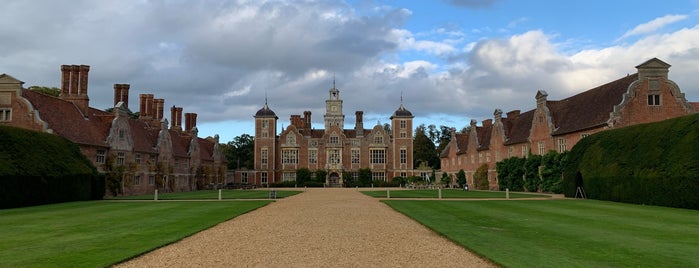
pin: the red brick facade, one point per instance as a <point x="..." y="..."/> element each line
<point x="336" y="150"/>
<point x="648" y="96"/>
<point x="151" y="155"/>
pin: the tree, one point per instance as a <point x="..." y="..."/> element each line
<point x="240" y="152"/>
<point x="461" y="178"/>
<point x="480" y="178"/>
<point x="387" y="127"/>
<point x="303" y="175"/>
<point x="445" y="179"/>
<point x="424" y="149"/>
<point x="320" y="175"/>
<point x="532" y="180"/>
<point x="51" y="91"/>
<point x="364" y="177"/>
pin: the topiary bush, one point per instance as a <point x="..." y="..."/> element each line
<point x="39" y="168"/>
<point x="653" y="164"/>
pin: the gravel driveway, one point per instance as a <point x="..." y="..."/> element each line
<point x="318" y="228"/>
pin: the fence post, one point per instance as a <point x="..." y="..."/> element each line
<point x="440" y="193"/>
<point x="219" y="194"/>
<point x="388" y="193"/>
<point x="507" y="193"/>
<point x="155" y="197"/>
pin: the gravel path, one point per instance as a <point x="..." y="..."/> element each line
<point x="318" y="228"/>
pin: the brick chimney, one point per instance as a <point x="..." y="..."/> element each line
<point x="513" y="114"/>
<point x="190" y="121"/>
<point x="176" y="117"/>
<point x="74" y="79"/>
<point x="146" y="106"/>
<point x="121" y="94"/>
<point x="307" y="119"/>
<point x="487" y="122"/>
<point x="359" y="123"/>
<point x="159" y="106"/>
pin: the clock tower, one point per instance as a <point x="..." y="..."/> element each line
<point x="333" y="109"/>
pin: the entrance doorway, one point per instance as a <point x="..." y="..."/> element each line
<point x="334" y="180"/>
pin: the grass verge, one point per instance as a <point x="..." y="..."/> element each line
<point x="448" y="193"/>
<point x="564" y="233"/>
<point x="101" y="233"/>
<point x="211" y="194"/>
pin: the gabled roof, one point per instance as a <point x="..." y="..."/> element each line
<point x="484" y="134"/>
<point x="520" y="127"/>
<point x="145" y="137"/>
<point x="65" y="119"/>
<point x="588" y="109"/>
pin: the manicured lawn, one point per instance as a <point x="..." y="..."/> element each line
<point x="564" y="233"/>
<point x="101" y="233"/>
<point x="447" y="193"/>
<point x="212" y="194"/>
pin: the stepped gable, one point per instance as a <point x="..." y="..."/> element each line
<point x="65" y="119"/>
<point x="588" y="109"/>
<point x="520" y="128"/>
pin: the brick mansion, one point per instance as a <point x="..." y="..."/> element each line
<point x="644" y="97"/>
<point x="151" y="152"/>
<point x="341" y="152"/>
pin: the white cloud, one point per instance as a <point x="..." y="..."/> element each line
<point x="652" y="26"/>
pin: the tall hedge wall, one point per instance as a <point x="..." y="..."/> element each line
<point x="39" y="168"/>
<point x="654" y="164"/>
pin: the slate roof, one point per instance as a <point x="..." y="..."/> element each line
<point x="265" y="112"/>
<point x="402" y="112"/>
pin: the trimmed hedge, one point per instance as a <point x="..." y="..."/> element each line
<point x="653" y="164"/>
<point x="39" y="168"/>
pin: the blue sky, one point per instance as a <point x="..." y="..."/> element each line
<point x="452" y="61"/>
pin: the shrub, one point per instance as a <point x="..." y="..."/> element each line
<point x="39" y="168"/>
<point x="480" y="178"/>
<point x="461" y="178"/>
<point x="532" y="180"/>
<point x="511" y="173"/>
<point x="653" y="164"/>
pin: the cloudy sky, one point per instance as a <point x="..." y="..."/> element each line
<point x="451" y="60"/>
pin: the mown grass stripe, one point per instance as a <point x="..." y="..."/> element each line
<point x="570" y="233"/>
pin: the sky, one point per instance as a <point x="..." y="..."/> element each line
<point x="447" y="61"/>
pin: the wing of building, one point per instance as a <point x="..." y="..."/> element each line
<point x="644" y="97"/>
<point x="340" y="152"/>
<point x="141" y="154"/>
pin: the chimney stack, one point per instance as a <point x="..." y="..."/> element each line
<point x="359" y="124"/>
<point x="307" y="119"/>
<point x="121" y="94"/>
<point x="146" y="106"/>
<point x="159" y="107"/>
<point x="74" y="79"/>
<point x="84" y="70"/>
<point x="176" y="117"/>
<point x="487" y="122"/>
<point x="190" y="121"/>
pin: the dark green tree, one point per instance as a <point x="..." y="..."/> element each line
<point x="364" y="177"/>
<point x="240" y="152"/>
<point x="461" y="178"/>
<point x="303" y="175"/>
<point x="424" y="149"/>
<point x="511" y="174"/>
<point x="532" y="180"/>
<point x="320" y="175"/>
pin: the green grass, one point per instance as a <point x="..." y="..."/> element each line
<point x="101" y="233"/>
<point x="448" y="193"/>
<point x="212" y="194"/>
<point x="564" y="233"/>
